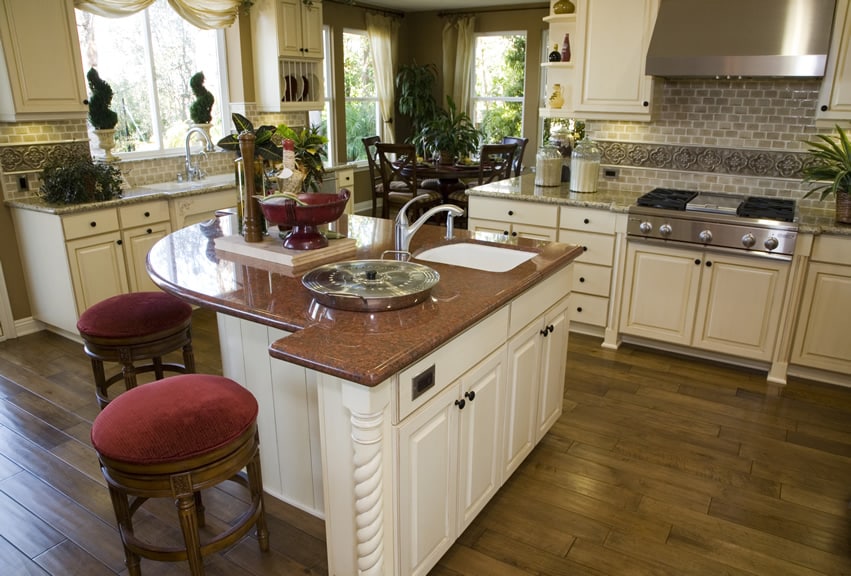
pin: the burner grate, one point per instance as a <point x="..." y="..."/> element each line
<point x="668" y="198"/>
<point x="782" y="209"/>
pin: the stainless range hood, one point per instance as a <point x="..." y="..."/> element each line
<point x="733" y="38"/>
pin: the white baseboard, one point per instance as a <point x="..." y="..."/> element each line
<point x="28" y="325"/>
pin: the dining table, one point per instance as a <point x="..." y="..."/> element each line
<point x="448" y="176"/>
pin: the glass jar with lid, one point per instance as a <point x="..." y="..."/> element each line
<point x="548" y="166"/>
<point x="585" y="166"/>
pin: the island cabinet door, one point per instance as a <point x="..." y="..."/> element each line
<point x="428" y="455"/>
<point x="553" y="363"/>
<point x="521" y="396"/>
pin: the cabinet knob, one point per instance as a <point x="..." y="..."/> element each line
<point x="93" y="223"/>
<point x="697" y="261"/>
<point x="547" y="330"/>
<point x="585" y="248"/>
<point x="709" y="264"/>
<point x="461" y="403"/>
<point x="824" y="108"/>
<point x="582" y="279"/>
<point x="514" y="233"/>
<point x="579" y="308"/>
<point x="147" y="214"/>
<point x="118" y="242"/>
<point x="505" y="232"/>
<point x="511" y="212"/>
<point x="149" y="231"/>
<point x="645" y="103"/>
<point x="586" y="221"/>
<point x="470" y="395"/>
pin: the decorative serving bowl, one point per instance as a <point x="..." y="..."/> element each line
<point x="304" y="220"/>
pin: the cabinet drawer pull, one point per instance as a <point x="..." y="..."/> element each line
<point x="505" y="232"/>
<point x="514" y="233"/>
<point x="149" y="231"/>
<point x="586" y="221"/>
<point x="461" y="403"/>
<point x="93" y="223"/>
<point x="470" y="395"/>
<point x="147" y="214"/>
<point x="511" y="212"/>
<point x="579" y="309"/>
<point x="581" y="279"/>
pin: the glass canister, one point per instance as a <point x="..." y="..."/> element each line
<point x="548" y="166"/>
<point x="585" y="166"/>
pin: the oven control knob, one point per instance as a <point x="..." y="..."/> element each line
<point x="705" y="236"/>
<point x="748" y="240"/>
<point x="771" y="243"/>
<point x="665" y="230"/>
<point x="645" y="227"/>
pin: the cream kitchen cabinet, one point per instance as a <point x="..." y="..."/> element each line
<point x="187" y="210"/>
<point x="824" y="322"/>
<point x="41" y="74"/>
<point x="300" y="29"/>
<point x="834" y="102"/>
<point x="513" y="218"/>
<point x="142" y="225"/>
<point x="594" y="230"/>
<point x="714" y="301"/>
<point x="449" y="463"/>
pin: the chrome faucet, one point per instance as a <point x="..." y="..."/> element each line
<point x="405" y="230"/>
<point x="194" y="172"/>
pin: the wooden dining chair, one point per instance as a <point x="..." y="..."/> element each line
<point x="375" y="174"/>
<point x="517" y="165"/>
<point x="496" y="162"/>
<point x="397" y="166"/>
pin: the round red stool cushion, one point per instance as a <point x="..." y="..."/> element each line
<point x="173" y="419"/>
<point x="133" y="315"/>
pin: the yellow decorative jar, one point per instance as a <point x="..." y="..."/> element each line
<point x="556" y="99"/>
<point x="564" y="7"/>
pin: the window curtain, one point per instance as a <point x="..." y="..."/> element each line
<point x="458" y="48"/>
<point x="204" y="14"/>
<point x="383" y="33"/>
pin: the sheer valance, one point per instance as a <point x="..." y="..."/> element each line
<point x="205" y="14"/>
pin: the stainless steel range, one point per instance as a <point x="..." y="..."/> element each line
<point x="758" y="225"/>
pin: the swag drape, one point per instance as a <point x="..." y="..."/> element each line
<point x="458" y="47"/>
<point x="204" y="14"/>
<point x="383" y="33"/>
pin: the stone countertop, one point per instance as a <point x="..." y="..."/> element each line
<point x="810" y="220"/>
<point x="362" y="347"/>
<point x="146" y="193"/>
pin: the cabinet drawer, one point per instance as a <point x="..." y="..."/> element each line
<point x="90" y="223"/>
<point x="587" y="220"/>
<point x="832" y="249"/>
<point x="588" y="309"/>
<point x="514" y="211"/>
<point x="597" y="248"/>
<point x="144" y="213"/>
<point x="535" y="301"/>
<point x="450" y="361"/>
<point x="591" y="279"/>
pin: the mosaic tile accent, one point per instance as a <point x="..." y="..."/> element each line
<point x="741" y="162"/>
<point x="19" y="158"/>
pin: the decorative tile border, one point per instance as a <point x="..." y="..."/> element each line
<point x="19" y="158"/>
<point x="742" y="162"/>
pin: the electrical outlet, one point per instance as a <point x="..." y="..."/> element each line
<point x="610" y="173"/>
<point x="23" y="183"/>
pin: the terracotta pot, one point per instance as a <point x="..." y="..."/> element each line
<point x="843" y="207"/>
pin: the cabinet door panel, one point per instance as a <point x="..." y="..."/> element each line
<point x="553" y="362"/>
<point x="480" y="440"/>
<point x="137" y="243"/>
<point x="739" y="305"/>
<point x="427" y="482"/>
<point x="660" y="292"/>
<point x="824" y="327"/>
<point x="97" y="269"/>
<point x="521" y="396"/>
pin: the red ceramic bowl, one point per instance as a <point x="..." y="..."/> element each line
<point x="304" y="220"/>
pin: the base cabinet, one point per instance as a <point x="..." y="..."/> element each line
<point x="515" y="219"/>
<point x="719" y="302"/>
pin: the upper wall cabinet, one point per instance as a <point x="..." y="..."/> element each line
<point x="41" y="73"/>
<point x="834" y="101"/>
<point x="286" y="38"/>
<point x="609" y="47"/>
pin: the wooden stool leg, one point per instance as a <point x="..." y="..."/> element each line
<point x="125" y="527"/>
<point x="189" y="358"/>
<point x="199" y="510"/>
<point x="158" y="367"/>
<point x="255" y="484"/>
<point x="100" y="383"/>
<point x="189" y="525"/>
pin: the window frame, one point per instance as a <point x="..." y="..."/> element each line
<point x="475" y="98"/>
<point x="373" y="99"/>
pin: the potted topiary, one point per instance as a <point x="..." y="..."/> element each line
<point x="79" y="180"/>
<point x="830" y="170"/>
<point x="102" y="118"/>
<point x="201" y="109"/>
<point x="449" y="134"/>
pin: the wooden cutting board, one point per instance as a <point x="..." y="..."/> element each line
<point x="270" y="249"/>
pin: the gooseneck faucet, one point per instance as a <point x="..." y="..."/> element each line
<point x="405" y="230"/>
<point x="194" y="172"/>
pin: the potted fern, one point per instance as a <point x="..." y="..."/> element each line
<point x="830" y="170"/>
<point x="101" y="116"/>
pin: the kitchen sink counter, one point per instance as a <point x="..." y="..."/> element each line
<point x="366" y="348"/>
<point x="146" y="193"/>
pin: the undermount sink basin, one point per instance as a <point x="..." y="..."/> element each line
<point x="207" y="182"/>
<point x="479" y="256"/>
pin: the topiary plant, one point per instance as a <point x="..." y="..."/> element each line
<point x="100" y="115"/>
<point x="200" y="111"/>
<point x="78" y="180"/>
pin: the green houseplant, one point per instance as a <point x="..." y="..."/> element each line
<point x="201" y="109"/>
<point x="449" y="134"/>
<point x="310" y="148"/>
<point x="414" y="89"/>
<point x="830" y="171"/>
<point x="101" y="116"/>
<point x="78" y="180"/>
<point x="264" y="146"/>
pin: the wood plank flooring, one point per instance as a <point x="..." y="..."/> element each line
<point x="660" y="465"/>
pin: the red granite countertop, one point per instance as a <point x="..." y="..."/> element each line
<point x="362" y="347"/>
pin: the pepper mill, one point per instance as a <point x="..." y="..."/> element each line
<point x="251" y="210"/>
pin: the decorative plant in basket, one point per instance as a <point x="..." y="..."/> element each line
<point x="830" y="170"/>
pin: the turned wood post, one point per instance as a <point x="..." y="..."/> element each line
<point x="251" y="210"/>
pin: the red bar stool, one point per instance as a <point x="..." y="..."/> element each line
<point x="130" y="328"/>
<point x="173" y="438"/>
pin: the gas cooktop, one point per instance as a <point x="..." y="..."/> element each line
<point x="781" y="209"/>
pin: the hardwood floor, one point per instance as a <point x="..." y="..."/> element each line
<point x="659" y="465"/>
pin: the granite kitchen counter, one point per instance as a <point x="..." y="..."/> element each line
<point x="361" y="347"/>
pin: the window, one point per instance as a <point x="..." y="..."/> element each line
<point x="500" y="71"/>
<point x="362" y="114"/>
<point x="148" y="59"/>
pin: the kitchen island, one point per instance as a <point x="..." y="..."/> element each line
<point x="362" y="415"/>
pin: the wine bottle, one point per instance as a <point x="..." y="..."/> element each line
<point x="555" y="55"/>
<point x="565" y="49"/>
